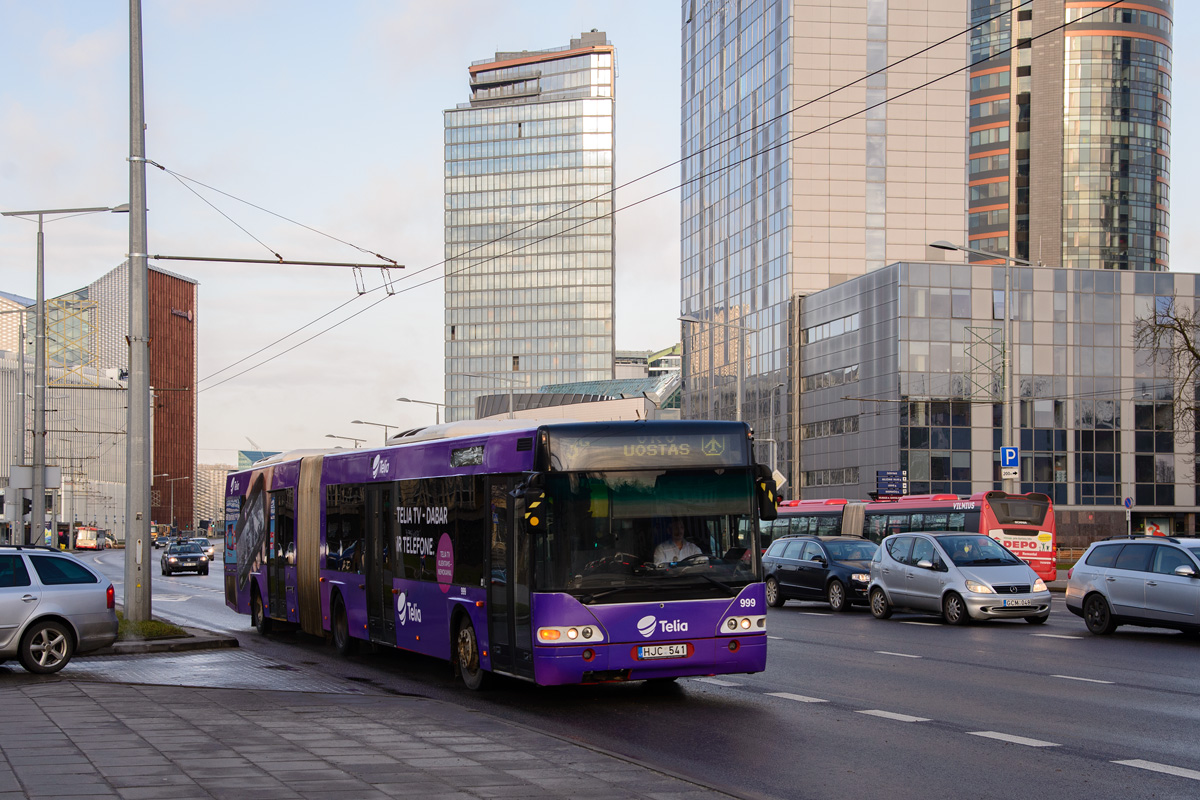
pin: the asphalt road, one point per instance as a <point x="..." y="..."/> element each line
<point x="849" y="706"/>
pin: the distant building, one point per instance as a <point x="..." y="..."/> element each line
<point x="210" y="494"/>
<point x="628" y="398"/>
<point x="648" y="363"/>
<point x="529" y="238"/>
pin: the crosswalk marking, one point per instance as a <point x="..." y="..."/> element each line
<point x="716" y="682"/>
<point x="1055" y="636"/>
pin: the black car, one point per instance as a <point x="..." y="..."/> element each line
<point x="184" y="558"/>
<point x="836" y="569"/>
<point x="160" y="541"/>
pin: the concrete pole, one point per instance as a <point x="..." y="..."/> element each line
<point x="138" y="468"/>
<point x="37" y="517"/>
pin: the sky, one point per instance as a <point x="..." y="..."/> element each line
<point x="330" y="115"/>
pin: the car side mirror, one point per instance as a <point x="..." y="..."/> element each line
<point x="819" y="559"/>
<point x="925" y="563"/>
<point x="1185" y="571"/>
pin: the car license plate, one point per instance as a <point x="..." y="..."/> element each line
<point x="663" y="651"/>
<point x="1020" y="602"/>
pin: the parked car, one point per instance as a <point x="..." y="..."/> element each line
<point x="205" y="545"/>
<point x="836" y="569"/>
<point x="962" y="576"/>
<point x="187" y="557"/>
<point x="1152" y="581"/>
<point x="52" y="606"/>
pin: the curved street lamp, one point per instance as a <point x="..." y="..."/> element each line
<point x="437" y="411"/>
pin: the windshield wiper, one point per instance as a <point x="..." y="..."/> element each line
<point x="728" y="589"/>
<point x="588" y="599"/>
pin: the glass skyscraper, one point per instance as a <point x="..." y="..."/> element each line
<point x="529" y="235"/>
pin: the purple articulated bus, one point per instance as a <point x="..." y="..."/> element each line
<point x="558" y="553"/>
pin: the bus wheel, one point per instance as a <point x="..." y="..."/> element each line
<point x="466" y="653"/>
<point x="258" y="614"/>
<point x="836" y="595"/>
<point x="343" y="642"/>
<point x="880" y="607"/>
<point x="954" y="610"/>
<point x="774" y="596"/>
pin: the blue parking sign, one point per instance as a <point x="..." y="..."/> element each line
<point x="1008" y="457"/>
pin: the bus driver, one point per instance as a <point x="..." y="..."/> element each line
<point x="676" y="548"/>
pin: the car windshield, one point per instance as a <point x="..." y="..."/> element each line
<point x="851" y="551"/>
<point x="977" y="551"/>
<point x="616" y="537"/>
<point x="200" y="542"/>
<point x="184" y="550"/>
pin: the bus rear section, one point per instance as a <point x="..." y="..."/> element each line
<point x="89" y="539"/>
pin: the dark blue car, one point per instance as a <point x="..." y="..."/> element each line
<point x="833" y="569"/>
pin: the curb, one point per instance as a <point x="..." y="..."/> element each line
<point x="196" y="639"/>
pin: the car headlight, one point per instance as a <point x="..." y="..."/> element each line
<point x="860" y="577"/>
<point x="1039" y="585"/>
<point x="979" y="588"/>
<point x="172" y="560"/>
<point x="204" y="558"/>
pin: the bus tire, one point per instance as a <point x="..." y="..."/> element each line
<point x="954" y="610"/>
<point x="774" y="596"/>
<point x="258" y="614"/>
<point x="466" y="656"/>
<point x="835" y="593"/>
<point x="343" y="642"/>
<point x="880" y="607"/>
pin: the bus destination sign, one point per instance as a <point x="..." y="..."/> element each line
<point x="602" y="451"/>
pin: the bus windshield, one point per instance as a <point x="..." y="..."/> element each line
<point x="1015" y="510"/>
<point x="619" y="537"/>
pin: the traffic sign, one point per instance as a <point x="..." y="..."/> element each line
<point x="1129" y="502"/>
<point x="1009" y="457"/>
<point x="1010" y="473"/>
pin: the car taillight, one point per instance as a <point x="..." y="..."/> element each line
<point x="110" y="596"/>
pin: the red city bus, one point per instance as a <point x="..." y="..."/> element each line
<point x="828" y="517"/>
<point x="1024" y="523"/>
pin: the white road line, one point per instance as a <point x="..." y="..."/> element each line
<point x="1055" y="636"/>
<point x="1167" y="768"/>
<point x="893" y="715"/>
<point x="1085" y="680"/>
<point x="780" y="638"/>
<point x="799" y="698"/>
<point x="1008" y="737"/>
<point x="911" y="622"/>
<point x="716" y="682"/>
<point x="812" y="613"/>
<point x="898" y="655"/>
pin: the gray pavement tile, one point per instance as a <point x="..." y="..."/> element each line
<point x="361" y="758"/>
<point x="156" y="793"/>
<point x="137" y="769"/>
<point x="165" y="783"/>
<point x="293" y="765"/>
<point x="355" y="794"/>
<point x="276" y="793"/>
<point x="429" y="763"/>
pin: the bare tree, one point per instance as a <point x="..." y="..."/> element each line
<point x="1168" y="336"/>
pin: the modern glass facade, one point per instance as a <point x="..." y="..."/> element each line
<point x="1069" y="156"/>
<point x="529" y="239"/>
<point x="1093" y="415"/>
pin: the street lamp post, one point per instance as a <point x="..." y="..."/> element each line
<point x="347" y="438"/>
<point x="386" y="428"/>
<point x="39" y="367"/>
<point x="437" y="410"/>
<point x="741" y="329"/>
<point x="1006" y="410"/>
<point x="172" y="482"/>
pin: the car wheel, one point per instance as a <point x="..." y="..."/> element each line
<point x="466" y="652"/>
<point x="1097" y="615"/>
<point x="258" y="615"/>
<point x="835" y="593"/>
<point x="1040" y="620"/>
<point x="774" y="596"/>
<point x="205" y="572"/>
<point x="880" y="607"/>
<point x="46" y="647"/>
<point x="343" y="642"/>
<point x="954" y="610"/>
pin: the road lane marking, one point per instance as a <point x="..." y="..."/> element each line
<point x="1008" y="737"/>
<point x="1167" y="768"/>
<point x="799" y="698"/>
<point x="716" y="682"/>
<point x="911" y="622"/>
<point x="1055" y="636"/>
<point x="780" y="638"/>
<point x="1085" y="680"/>
<point x="812" y="613"/>
<point x="898" y="655"/>
<point x="893" y="715"/>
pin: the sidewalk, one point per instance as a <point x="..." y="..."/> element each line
<point x="226" y="723"/>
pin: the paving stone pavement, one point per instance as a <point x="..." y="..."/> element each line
<point x="290" y="734"/>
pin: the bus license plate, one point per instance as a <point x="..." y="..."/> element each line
<point x="1022" y="602"/>
<point x="663" y="651"/>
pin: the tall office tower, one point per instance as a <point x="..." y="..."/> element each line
<point x="529" y="228"/>
<point x="783" y="197"/>
<point x="1070" y="132"/>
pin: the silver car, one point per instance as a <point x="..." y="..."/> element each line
<point x="962" y="576"/>
<point x="1151" y="581"/>
<point x="52" y="606"/>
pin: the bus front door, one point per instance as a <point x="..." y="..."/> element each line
<point x="510" y="636"/>
<point x="381" y="608"/>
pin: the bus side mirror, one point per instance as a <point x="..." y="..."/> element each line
<point x="764" y="485"/>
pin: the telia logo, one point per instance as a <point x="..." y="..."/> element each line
<point x="402" y="608"/>
<point x="379" y="466"/>
<point x="234" y="486"/>
<point x="646" y="625"/>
